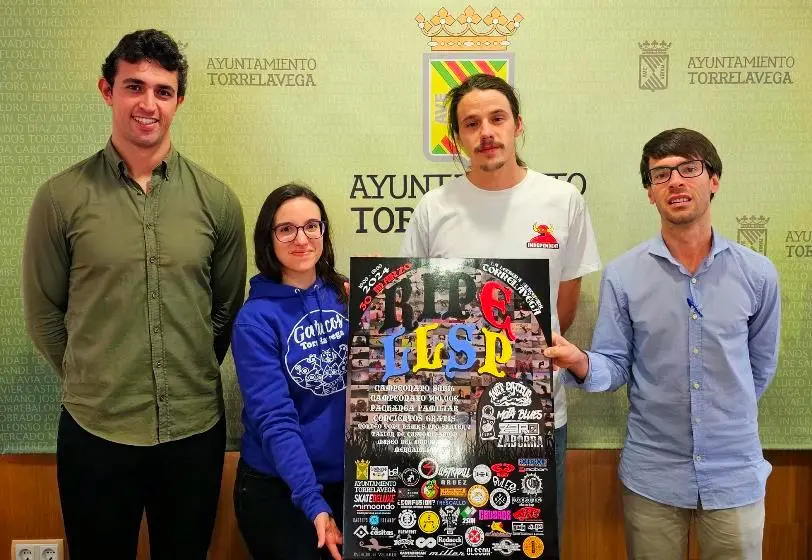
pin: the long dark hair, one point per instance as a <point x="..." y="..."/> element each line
<point x="479" y="82"/>
<point x="264" y="254"/>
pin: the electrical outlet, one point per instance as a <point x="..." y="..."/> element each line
<point x="24" y="551"/>
<point x="49" y="552"/>
<point x="39" y="549"/>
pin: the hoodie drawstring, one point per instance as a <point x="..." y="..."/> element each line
<point x="309" y="318"/>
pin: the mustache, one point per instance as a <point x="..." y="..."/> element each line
<point x="488" y="145"/>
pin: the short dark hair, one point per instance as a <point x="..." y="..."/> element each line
<point x="480" y="82"/>
<point x="148" y="44"/>
<point x="264" y="255"/>
<point x="681" y="142"/>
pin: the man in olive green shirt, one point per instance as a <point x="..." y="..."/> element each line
<point x="133" y="271"/>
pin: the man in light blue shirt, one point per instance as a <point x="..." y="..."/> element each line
<point x="690" y="321"/>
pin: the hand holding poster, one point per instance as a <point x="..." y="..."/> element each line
<point x="450" y="441"/>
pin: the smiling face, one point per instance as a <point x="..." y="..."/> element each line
<point x="144" y="100"/>
<point x="487" y="130"/>
<point x="682" y="201"/>
<point x="298" y="258"/>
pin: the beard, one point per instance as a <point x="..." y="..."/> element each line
<point x="492" y="166"/>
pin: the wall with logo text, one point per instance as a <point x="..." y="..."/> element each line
<point x="347" y="98"/>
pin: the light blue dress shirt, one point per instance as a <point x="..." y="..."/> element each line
<point x="697" y="352"/>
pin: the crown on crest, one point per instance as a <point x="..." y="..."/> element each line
<point x="654" y="47"/>
<point x="752" y="222"/>
<point x="469" y="31"/>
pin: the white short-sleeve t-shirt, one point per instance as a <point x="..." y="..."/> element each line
<point x="541" y="218"/>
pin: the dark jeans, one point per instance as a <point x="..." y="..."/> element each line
<point x="105" y="487"/>
<point x="273" y="528"/>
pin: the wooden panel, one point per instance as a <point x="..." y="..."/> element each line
<point x="788" y="526"/>
<point x="29" y="498"/>
<point x="593" y="525"/>
<point x="593" y="521"/>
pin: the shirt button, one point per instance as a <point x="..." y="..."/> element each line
<point x="154" y="295"/>
<point x="693" y="280"/>
<point x="694" y="316"/>
<point x="158" y="364"/>
<point x="696" y="385"/>
<point x="698" y="420"/>
<point x="156" y="330"/>
<point x="696" y="350"/>
<point x="152" y="261"/>
<point x="149" y="226"/>
<point x="698" y="458"/>
<point x="162" y="398"/>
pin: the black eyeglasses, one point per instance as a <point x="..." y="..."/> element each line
<point x="285" y="233"/>
<point x="687" y="169"/>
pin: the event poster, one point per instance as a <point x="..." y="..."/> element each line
<point x="450" y="446"/>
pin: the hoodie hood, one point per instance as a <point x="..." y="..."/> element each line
<point x="263" y="287"/>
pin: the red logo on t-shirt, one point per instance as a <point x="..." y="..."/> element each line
<point x="544" y="239"/>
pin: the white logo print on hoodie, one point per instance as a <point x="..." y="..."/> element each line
<point x="313" y="358"/>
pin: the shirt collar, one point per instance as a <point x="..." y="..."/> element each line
<point x="658" y="248"/>
<point x="167" y="167"/>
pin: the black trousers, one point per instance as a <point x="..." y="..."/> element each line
<point x="104" y="488"/>
<point x="274" y="528"/>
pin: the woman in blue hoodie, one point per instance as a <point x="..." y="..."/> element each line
<point x="290" y="349"/>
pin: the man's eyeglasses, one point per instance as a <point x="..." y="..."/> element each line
<point x="285" y="233"/>
<point x="687" y="169"/>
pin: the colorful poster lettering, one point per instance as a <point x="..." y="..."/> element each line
<point x="450" y="439"/>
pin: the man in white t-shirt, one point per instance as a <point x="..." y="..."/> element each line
<point x="502" y="209"/>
